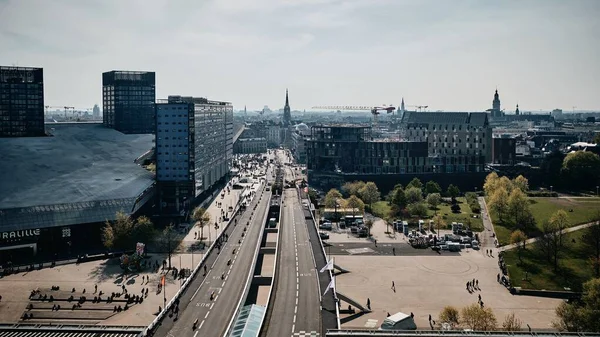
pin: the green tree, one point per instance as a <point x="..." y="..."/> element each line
<point x="581" y="168"/>
<point x="559" y="222"/>
<point x="518" y="238"/>
<point x="124" y="232"/>
<point x="352" y="188"/>
<point x="582" y="316"/>
<point x="369" y="225"/>
<point x="168" y="241"/>
<point x="438" y="222"/>
<point x="596" y="138"/>
<point x="499" y="203"/>
<point x="450" y="315"/>
<point x="369" y="194"/>
<point x="418" y="209"/>
<point x="591" y="244"/>
<point x="518" y="207"/>
<point x="202" y="218"/>
<point x="355" y="204"/>
<point x="453" y="191"/>
<point x="478" y="318"/>
<point x="550" y="168"/>
<point x="512" y="323"/>
<point x="415" y="183"/>
<point x="434" y="199"/>
<point x="332" y="197"/>
<point x="413" y="195"/>
<point x="521" y="183"/>
<point x="432" y="187"/>
<point x="399" y="198"/>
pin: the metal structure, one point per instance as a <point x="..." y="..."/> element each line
<point x="452" y="333"/>
<point x="375" y="110"/>
<point x="419" y="108"/>
<point x="67" y="108"/>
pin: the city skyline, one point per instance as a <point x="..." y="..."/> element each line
<point x="448" y="55"/>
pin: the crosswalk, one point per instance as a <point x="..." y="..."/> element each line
<point x="306" y="334"/>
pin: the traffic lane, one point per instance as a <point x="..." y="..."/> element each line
<point x="167" y="324"/>
<point x="232" y="286"/>
<point x="282" y="313"/>
<point x="308" y="306"/>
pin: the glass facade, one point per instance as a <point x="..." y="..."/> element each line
<point x="128" y="101"/>
<point x="21" y="102"/>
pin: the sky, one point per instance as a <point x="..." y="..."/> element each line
<point x="448" y="54"/>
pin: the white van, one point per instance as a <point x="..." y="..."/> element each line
<point x="398" y="321"/>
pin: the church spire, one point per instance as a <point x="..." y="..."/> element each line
<point x="287" y="100"/>
<point x="287" y="112"/>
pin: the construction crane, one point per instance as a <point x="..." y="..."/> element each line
<point x="375" y="110"/>
<point x="420" y="108"/>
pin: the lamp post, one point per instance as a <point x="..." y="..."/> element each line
<point x="551" y="188"/>
<point x="597" y="190"/>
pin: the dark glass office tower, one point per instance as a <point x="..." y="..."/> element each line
<point x="128" y="101"/>
<point x="21" y="102"/>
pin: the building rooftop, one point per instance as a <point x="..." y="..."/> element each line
<point x="78" y="164"/>
<point x="477" y="119"/>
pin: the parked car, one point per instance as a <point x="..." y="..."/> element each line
<point x="325" y="226"/>
<point x="323" y="235"/>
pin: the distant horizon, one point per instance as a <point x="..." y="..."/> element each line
<point x="448" y="55"/>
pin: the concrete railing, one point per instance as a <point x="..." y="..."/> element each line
<point x="251" y="272"/>
<point x="316" y="224"/>
<point x="188" y="280"/>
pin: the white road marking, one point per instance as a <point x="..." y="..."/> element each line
<point x="212" y="305"/>
<point x="206" y="315"/>
<point x="200" y="327"/>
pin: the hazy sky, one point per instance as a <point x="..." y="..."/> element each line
<point x="448" y="54"/>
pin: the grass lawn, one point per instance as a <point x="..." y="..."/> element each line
<point x="543" y="208"/>
<point x="381" y="209"/>
<point x="574" y="268"/>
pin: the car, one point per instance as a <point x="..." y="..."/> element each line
<point x="325" y="225"/>
<point x="323" y="235"/>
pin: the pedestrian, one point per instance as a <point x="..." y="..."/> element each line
<point x="479" y="297"/>
<point x="477" y="283"/>
<point x="393" y="286"/>
<point x="394" y="251"/>
<point x="430" y="317"/>
<point x="369" y="303"/>
<point x="412" y="315"/>
<point x="498" y="277"/>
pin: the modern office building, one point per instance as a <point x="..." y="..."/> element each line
<point x="128" y="101"/>
<point x="300" y="134"/>
<point x="21" y="102"/>
<point x="194" y="149"/>
<point x="458" y="141"/>
<point x="504" y="150"/>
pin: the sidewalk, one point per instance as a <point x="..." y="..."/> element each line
<point x="564" y="231"/>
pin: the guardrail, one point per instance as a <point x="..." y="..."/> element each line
<point x="148" y="331"/>
<point x="453" y="333"/>
<point x="337" y="307"/>
<point x="251" y="272"/>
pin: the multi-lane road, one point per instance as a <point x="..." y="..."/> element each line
<point x="225" y="279"/>
<point x="296" y="308"/>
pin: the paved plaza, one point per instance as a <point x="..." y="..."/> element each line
<point x="107" y="275"/>
<point x="424" y="281"/>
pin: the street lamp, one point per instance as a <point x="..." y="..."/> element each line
<point x="551" y="188"/>
<point x="597" y="190"/>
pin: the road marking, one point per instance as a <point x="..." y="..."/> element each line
<point x="196" y="333"/>
<point x="206" y="315"/>
<point x="212" y="305"/>
<point x="200" y="327"/>
<point x="222" y="285"/>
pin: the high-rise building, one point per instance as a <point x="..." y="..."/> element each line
<point x="21" y="102"/>
<point x="194" y="149"/>
<point x="96" y="112"/>
<point x="128" y="101"/>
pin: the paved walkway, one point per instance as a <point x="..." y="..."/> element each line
<point x="564" y="231"/>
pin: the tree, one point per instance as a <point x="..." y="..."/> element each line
<point x="512" y="323"/>
<point x="521" y="183"/>
<point x="168" y="241"/>
<point x="352" y="188"/>
<point x="418" y="209"/>
<point x="583" y="315"/>
<point x="413" y="195"/>
<point x="453" y="191"/>
<point x="438" y="222"/>
<point x="399" y="198"/>
<point x="450" y="315"/>
<point x="415" y="183"/>
<point x="581" y="168"/>
<point x="518" y="206"/>
<point x="432" y="187"/>
<point x="490" y="183"/>
<point x="591" y="244"/>
<point x="596" y="139"/>
<point x="499" y="203"/>
<point x="355" y="203"/>
<point x="434" y="199"/>
<point x="369" y="194"/>
<point x="550" y="168"/>
<point x="478" y="318"/>
<point x="551" y="242"/>
<point x="331" y="198"/>
<point x="518" y="238"/>
<point x="124" y="233"/>
<point x="202" y="218"/>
